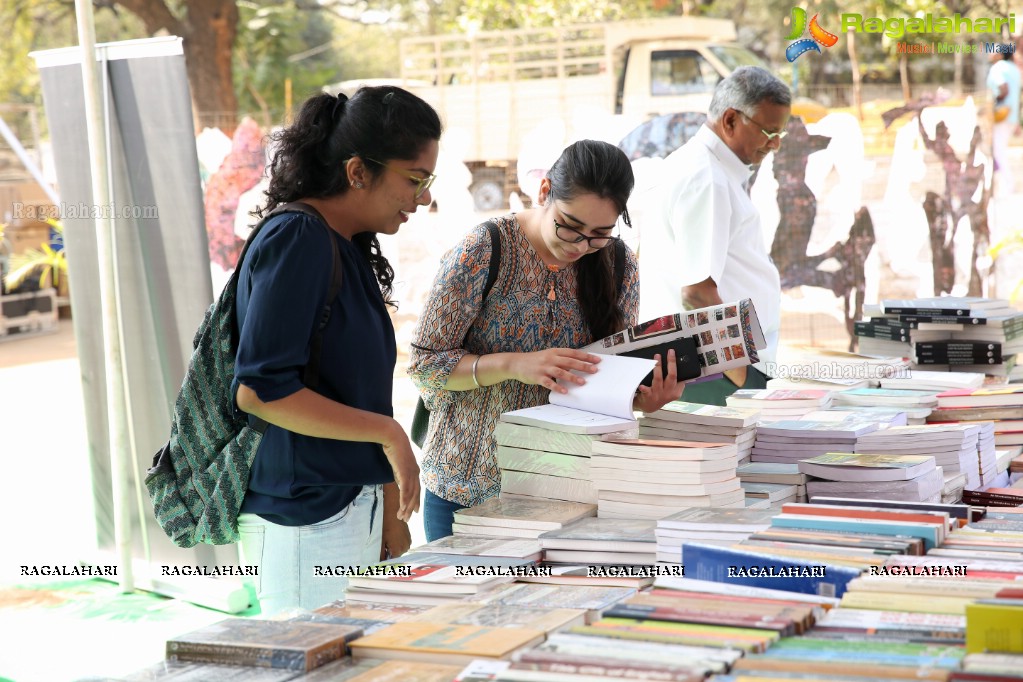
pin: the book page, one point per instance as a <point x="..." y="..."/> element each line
<point x="610" y="390"/>
<point x="727" y="335"/>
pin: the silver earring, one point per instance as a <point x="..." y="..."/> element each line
<point x="358" y="185"/>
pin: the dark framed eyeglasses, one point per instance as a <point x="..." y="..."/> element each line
<point x="422" y="184"/>
<point x="771" y="137"/>
<point x="574" y="236"/>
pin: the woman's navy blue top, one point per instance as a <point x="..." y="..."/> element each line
<point x="298" y="480"/>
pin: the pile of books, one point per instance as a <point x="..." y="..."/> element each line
<point x="916" y="403"/>
<point x="650" y="479"/>
<point x="516" y="516"/>
<point x="784" y="478"/>
<point x="945" y="333"/>
<point x="913" y="478"/>
<point x="956" y="448"/>
<point x="714" y="526"/>
<point x="592" y="542"/>
<point x="680" y="420"/>
<point x="775" y="404"/>
<point x="788" y="441"/>
<point x="545" y="463"/>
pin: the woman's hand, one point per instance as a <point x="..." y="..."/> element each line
<point x="545" y="367"/>
<point x="395" y="533"/>
<point x="399" y="455"/>
<point x="663" y="389"/>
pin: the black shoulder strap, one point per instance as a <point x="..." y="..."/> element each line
<point x="495" y="257"/>
<point x="619" y="266"/>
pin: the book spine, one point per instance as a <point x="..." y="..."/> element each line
<point x="631" y="670"/>
<point x="942" y="319"/>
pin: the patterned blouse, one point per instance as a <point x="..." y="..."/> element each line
<point x="531" y="307"/>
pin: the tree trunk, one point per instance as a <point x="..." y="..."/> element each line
<point x="209" y="43"/>
<point x="208" y="29"/>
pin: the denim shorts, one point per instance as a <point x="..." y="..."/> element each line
<point x="292" y="560"/>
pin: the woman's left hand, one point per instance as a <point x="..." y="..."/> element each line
<point x="663" y="389"/>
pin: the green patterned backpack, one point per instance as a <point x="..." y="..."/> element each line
<point x="199" y="477"/>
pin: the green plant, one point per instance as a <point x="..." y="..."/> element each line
<point x="52" y="262"/>
<point x="1009" y="244"/>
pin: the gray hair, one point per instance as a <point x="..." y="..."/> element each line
<point x="747" y="87"/>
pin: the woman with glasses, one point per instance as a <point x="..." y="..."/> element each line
<point x="554" y="291"/>
<point x="334" y="480"/>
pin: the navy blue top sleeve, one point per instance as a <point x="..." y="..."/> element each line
<point x="282" y="286"/>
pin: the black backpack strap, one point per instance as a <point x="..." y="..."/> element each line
<point x="495" y="258"/>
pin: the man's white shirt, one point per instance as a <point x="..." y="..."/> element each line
<point x="699" y="222"/>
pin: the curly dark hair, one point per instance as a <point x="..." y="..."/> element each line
<point x="384" y="123"/>
<point x="600" y="168"/>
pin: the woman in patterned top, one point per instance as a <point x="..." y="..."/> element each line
<point x="555" y="291"/>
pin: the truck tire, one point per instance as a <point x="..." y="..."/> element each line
<point x="487" y="190"/>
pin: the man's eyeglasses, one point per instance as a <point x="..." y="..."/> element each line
<point x="574" y="236"/>
<point x="422" y="184"/>
<point x="771" y="137"/>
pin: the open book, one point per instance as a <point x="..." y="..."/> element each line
<point x="602" y="405"/>
<point x="707" y="341"/>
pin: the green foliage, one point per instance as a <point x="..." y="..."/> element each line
<point x="277" y="41"/>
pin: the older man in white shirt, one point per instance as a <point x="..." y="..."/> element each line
<point x="702" y="243"/>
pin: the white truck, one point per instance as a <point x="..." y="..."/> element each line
<point x="498" y="86"/>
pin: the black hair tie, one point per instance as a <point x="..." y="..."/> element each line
<point x="339" y="105"/>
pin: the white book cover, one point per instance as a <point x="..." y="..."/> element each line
<point x="548" y="487"/>
<point x="553" y="463"/>
<point x="524" y="513"/>
<point x="836" y="466"/>
<point x="695" y="413"/>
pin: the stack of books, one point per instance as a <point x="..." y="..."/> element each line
<point x="610" y="656"/>
<point x="545" y="462"/>
<point x="961" y="334"/>
<point x="786" y="475"/>
<point x="788" y="441"/>
<point x="933" y="381"/>
<point x="650" y="479"/>
<point x="430" y="578"/>
<point x="1001" y="404"/>
<point x="484" y="545"/>
<point x="955" y="447"/>
<point x="287" y="645"/>
<point x="775" y="404"/>
<point x="680" y="420"/>
<point x="592" y="542"/>
<point x="515" y="516"/>
<point x="895" y="477"/>
<point x="713" y="526"/>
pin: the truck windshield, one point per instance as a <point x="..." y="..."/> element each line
<point x="733" y="57"/>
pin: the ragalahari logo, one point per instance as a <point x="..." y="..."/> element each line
<point x="818" y="36"/>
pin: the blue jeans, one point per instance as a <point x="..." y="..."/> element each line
<point x="438" y="515"/>
<point x="288" y="557"/>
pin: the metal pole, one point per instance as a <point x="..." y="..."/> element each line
<point x="117" y="413"/>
